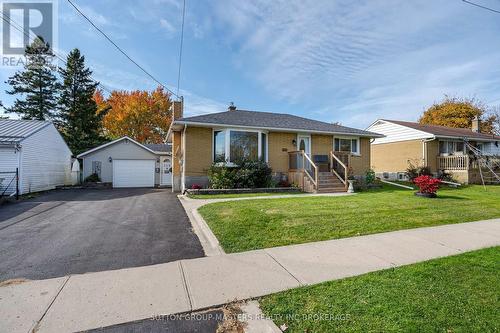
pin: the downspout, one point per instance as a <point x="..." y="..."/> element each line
<point x="183" y="166"/>
<point x="424" y="150"/>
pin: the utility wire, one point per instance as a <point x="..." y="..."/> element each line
<point x="120" y="49"/>
<point x="21" y="30"/>
<point x="481" y="6"/>
<point x="180" y="48"/>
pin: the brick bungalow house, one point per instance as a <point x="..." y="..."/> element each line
<point x="315" y="155"/>
<point x="440" y="148"/>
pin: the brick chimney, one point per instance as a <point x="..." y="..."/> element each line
<point x="231" y="107"/>
<point x="476" y="125"/>
<point x="177" y="108"/>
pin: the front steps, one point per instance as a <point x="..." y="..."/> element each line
<point x="329" y="183"/>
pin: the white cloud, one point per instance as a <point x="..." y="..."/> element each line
<point x="354" y="62"/>
<point x="194" y="104"/>
<point x="167" y="26"/>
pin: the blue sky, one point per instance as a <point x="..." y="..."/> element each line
<point x="346" y="61"/>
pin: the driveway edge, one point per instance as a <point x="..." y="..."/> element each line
<point x="208" y="241"/>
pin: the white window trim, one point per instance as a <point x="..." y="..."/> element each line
<point x="227" y="142"/>
<point x="464" y="152"/>
<point x="306" y="135"/>
<point x="358" y="143"/>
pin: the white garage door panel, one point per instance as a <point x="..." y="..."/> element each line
<point x="133" y="173"/>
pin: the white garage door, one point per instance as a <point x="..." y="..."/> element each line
<point x="133" y="173"/>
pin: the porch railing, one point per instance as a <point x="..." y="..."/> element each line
<point x="457" y="162"/>
<point x="300" y="161"/>
<point x="338" y="167"/>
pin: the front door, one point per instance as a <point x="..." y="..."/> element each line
<point x="305" y="144"/>
<point x="166" y="171"/>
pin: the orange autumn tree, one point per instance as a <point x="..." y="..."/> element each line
<point x="142" y="115"/>
<point x="458" y="113"/>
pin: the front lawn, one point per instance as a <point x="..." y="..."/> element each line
<point x="255" y="224"/>
<point x="454" y="294"/>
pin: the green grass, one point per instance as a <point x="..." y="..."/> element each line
<point x="238" y="195"/>
<point x="255" y="224"/>
<point x="454" y="294"/>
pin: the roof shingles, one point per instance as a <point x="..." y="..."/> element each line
<point x="444" y="131"/>
<point x="272" y="120"/>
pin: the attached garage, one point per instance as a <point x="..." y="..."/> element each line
<point x="134" y="173"/>
<point x="128" y="163"/>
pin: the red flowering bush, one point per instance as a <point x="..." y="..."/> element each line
<point x="196" y="187"/>
<point x="427" y="184"/>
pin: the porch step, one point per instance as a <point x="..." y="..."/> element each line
<point x="331" y="190"/>
<point x="329" y="183"/>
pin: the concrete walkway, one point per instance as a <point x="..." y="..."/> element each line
<point x="93" y="300"/>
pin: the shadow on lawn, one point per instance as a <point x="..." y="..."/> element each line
<point x="452" y="197"/>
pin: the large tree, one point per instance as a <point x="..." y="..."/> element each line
<point x="458" y="113"/>
<point x="142" y="115"/>
<point x="36" y="84"/>
<point x="79" y="120"/>
<point x="494" y="113"/>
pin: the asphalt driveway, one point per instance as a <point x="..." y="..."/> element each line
<point x="78" y="231"/>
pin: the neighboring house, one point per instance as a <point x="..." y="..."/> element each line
<point x="303" y="151"/>
<point x="127" y="163"/>
<point x="39" y="153"/>
<point x="442" y="149"/>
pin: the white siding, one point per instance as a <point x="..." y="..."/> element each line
<point x="395" y="132"/>
<point x="489" y="148"/>
<point x="122" y="150"/>
<point x="9" y="161"/>
<point x="45" y="161"/>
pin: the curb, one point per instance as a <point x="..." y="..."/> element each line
<point x="208" y="241"/>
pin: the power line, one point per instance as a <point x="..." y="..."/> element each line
<point x="21" y="30"/>
<point x="180" y="48"/>
<point x="481" y="6"/>
<point x="120" y="49"/>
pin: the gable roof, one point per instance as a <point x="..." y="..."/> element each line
<point x="113" y="142"/>
<point x="444" y="131"/>
<point x="269" y="120"/>
<point x="14" y="131"/>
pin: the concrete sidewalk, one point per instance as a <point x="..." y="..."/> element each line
<point x="87" y="301"/>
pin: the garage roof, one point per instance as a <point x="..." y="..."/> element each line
<point x="13" y="131"/>
<point x="145" y="146"/>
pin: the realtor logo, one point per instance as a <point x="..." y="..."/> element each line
<point x="22" y="21"/>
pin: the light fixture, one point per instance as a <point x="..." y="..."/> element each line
<point x="110" y="159"/>
<point x="294" y="143"/>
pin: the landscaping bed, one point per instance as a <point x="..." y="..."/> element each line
<point x="453" y="294"/>
<point x="212" y="191"/>
<point x="240" y="195"/>
<point x="255" y="224"/>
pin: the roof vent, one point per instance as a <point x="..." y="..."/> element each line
<point x="231" y="107"/>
